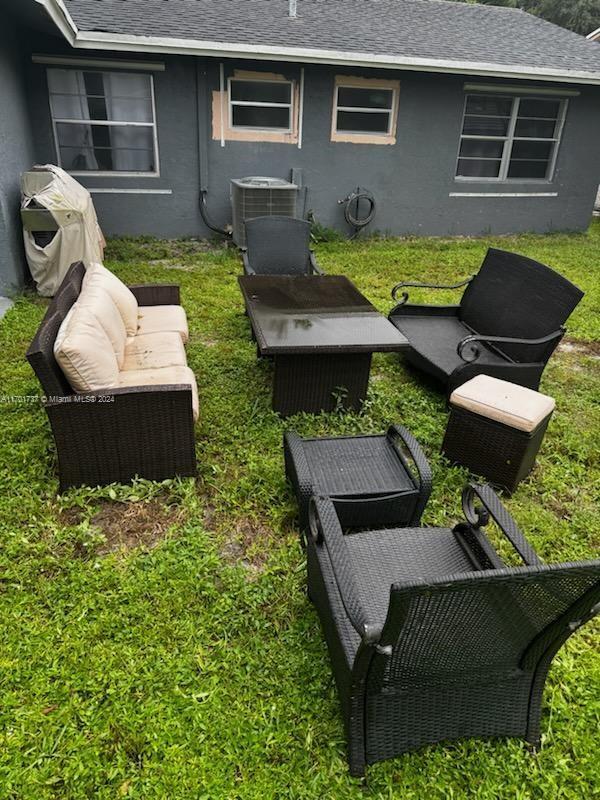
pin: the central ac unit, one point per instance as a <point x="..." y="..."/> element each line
<point x="260" y="197"/>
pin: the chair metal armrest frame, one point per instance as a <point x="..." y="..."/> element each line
<point x="404" y="284"/>
<point x="501" y="340"/>
<point x="478" y="517"/>
<point x="248" y="269"/>
<point x="314" y="266"/>
<point x="326" y="530"/>
<point x="421" y="463"/>
<point x="148" y="294"/>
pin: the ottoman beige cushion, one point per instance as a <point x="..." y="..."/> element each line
<point x="516" y="406"/>
<point x="123" y="297"/>
<point x="84" y="352"/>
<point x="158" y="319"/>
<point x="159" y="377"/>
<point x="154" y="350"/>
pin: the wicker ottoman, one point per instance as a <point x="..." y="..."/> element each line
<point x="367" y="477"/>
<point x="496" y="429"/>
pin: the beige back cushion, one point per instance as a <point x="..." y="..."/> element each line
<point x="84" y="352"/>
<point x="95" y="298"/>
<point x="124" y="299"/>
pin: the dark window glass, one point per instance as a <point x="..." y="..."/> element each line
<point x="485" y="126"/>
<point x="261" y="91"/>
<point x="478" y="169"/>
<point x="535" y="128"/>
<point x="532" y="150"/>
<point x="364" y="98"/>
<point x="548" y="109"/>
<point x="260" y="117"/>
<point x="118" y="148"/>
<point x="483" y="148"/>
<point x="492" y="106"/>
<point x="528" y="169"/>
<point x="362" y="122"/>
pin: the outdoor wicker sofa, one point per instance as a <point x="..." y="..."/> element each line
<point x="508" y="323"/>
<point x="431" y="636"/>
<point x="278" y="245"/>
<point x="141" y="427"/>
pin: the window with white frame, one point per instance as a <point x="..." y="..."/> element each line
<point x="510" y="138"/>
<point x="103" y="121"/>
<point x="364" y="110"/>
<point x="261" y="104"/>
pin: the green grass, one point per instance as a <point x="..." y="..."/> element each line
<point x="197" y="669"/>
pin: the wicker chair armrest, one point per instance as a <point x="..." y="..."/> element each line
<point x="148" y="294"/>
<point x="314" y="266"/>
<point x="326" y="531"/>
<point x="476" y="352"/>
<point x="405" y="284"/>
<point x="298" y="471"/>
<point x="477" y="518"/>
<point x="424" y="481"/>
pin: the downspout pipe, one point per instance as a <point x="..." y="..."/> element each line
<point x="202" y="125"/>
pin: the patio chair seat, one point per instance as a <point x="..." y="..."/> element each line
<point x="154" y="351"/>
<point x="386" y="557"/>
<point x="434" y="341"/>
<point x="163" y="319"/>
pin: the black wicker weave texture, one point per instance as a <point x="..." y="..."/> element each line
<point x="512" y="297"/>
<point x="425" y="647"/>
<point x="500" y="454"/>
<point x="369" y="478"/>
<point x="278" y="246"/>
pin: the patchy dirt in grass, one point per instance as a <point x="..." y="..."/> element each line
<point x="580" y="347"/>
<point x="246" y="544"/>
<point x="122" y="527"/>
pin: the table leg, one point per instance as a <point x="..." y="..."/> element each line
<point x="323" y="382"/>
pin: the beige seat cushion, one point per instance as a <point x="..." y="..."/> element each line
<point x="513" y="405"/>
<point x="123" y="297"/>
<point x="84" y="352"/>
<point x="95" y="298"/>
<point x="163" y="376"/>
<point x="154" y="351"/>
<point x="154" y="319"/>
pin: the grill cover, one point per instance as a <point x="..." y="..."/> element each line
<point x="59" y="226"/>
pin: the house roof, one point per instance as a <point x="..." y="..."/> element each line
<point x="419" y="34"/>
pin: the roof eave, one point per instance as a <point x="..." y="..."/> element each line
<point x="95" y="40"/>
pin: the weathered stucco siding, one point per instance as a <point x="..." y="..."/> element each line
<point x="16" y="154"/>
<point x="412" y="180"/>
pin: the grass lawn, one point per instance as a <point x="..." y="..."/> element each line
<point x="156" y="640"/>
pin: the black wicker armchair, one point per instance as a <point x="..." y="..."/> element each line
<point x="507" y="325"/>
<point x="115" y="434"/>
<point x="431" y="636"/>
<point x="278" y="246"/>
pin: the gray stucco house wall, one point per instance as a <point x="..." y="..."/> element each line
<point x="16" y="154"/>
<point x="412" y="180"/>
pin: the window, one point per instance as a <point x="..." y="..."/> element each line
<point x="260" y="104"/>
<point x="364" y="110"/>
<point x="103" y="121"/>
<point x="510" y="138"/>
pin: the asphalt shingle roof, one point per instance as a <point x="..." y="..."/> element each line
<point x="429" y="29"/>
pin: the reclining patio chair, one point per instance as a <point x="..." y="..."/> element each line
<point x="431" y="636"/>
<point x="278" y="246"/>
<point x="507" y="325"/>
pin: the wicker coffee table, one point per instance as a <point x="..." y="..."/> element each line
<point x="321" y="332"/>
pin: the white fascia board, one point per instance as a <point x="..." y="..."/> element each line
<point x="93" y="40"/>
<point x="59" y="15"/>
<point x="594" y="34"/>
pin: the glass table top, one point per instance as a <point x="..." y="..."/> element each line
<point x="315" y="313"/>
